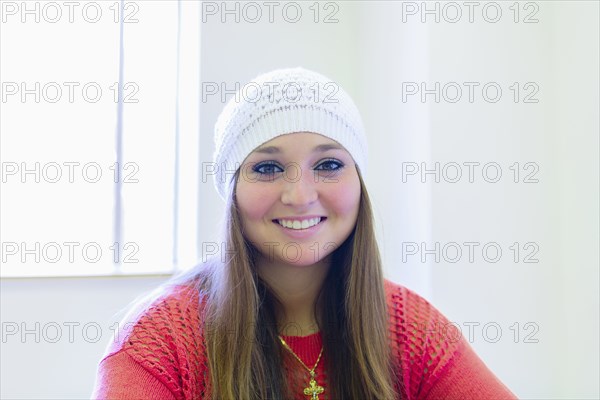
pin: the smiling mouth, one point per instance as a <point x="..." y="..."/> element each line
<point x="299" y="225"/>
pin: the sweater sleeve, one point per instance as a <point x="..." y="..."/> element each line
<point x="466" y="377"/>
<point x="120" y="377"/>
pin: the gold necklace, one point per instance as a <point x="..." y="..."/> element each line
<point x="313" y="388"/>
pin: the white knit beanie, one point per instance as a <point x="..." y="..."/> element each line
<point x="281" y="102"/>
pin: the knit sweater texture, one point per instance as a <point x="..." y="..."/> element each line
<point x="162" y="356"/>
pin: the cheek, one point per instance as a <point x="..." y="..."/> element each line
<point x="253" y="202"/>
<point x="344" y="198"/>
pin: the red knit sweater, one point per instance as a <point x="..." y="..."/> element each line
<point x="163" y="355"/>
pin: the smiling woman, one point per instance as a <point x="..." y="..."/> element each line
<point x="304" y="209"/>
<point x="296" y="306"/>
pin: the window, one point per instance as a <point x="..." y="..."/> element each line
<point x="99" y="137"/>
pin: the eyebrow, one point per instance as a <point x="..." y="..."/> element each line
<point x="320" y="148"/>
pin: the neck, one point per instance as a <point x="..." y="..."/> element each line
<point x="297" y="287"/>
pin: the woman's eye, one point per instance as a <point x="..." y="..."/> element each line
<point x="266" y="168"/>
<point x="330" y="165"/>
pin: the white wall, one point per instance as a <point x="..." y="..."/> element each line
<point x="558" y="295"/>
<point x="59" y="364"/>
<point x="371" y="53"/>
<point x="575" y="156"/>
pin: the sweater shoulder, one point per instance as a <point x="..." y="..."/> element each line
<point x="432" y="356"/>
<point x="409" y="306"/>
<point x="165" y="337"/>
<point x="424" y="341"/>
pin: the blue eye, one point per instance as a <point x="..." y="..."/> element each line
<point x="266" y="168"/>
<point x="330" y="165"/>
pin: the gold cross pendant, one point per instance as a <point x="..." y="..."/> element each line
<point x="313" y="390"/>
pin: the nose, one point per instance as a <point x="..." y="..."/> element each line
<point x="299" y="190"/>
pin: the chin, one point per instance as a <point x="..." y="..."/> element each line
<point x="308" y="256"/>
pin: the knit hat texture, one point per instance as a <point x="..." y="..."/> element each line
<point x="281" y="102"/>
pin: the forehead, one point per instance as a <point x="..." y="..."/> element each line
<point x="301" y="141"/>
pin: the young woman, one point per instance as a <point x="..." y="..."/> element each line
<point x="295" y="305"/>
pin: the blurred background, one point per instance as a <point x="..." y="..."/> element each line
<point x="483" y="128"/>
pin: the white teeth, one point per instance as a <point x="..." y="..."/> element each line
<point x="307" y="223"/>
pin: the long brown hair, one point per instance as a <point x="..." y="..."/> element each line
<point x="240" y="327"/>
